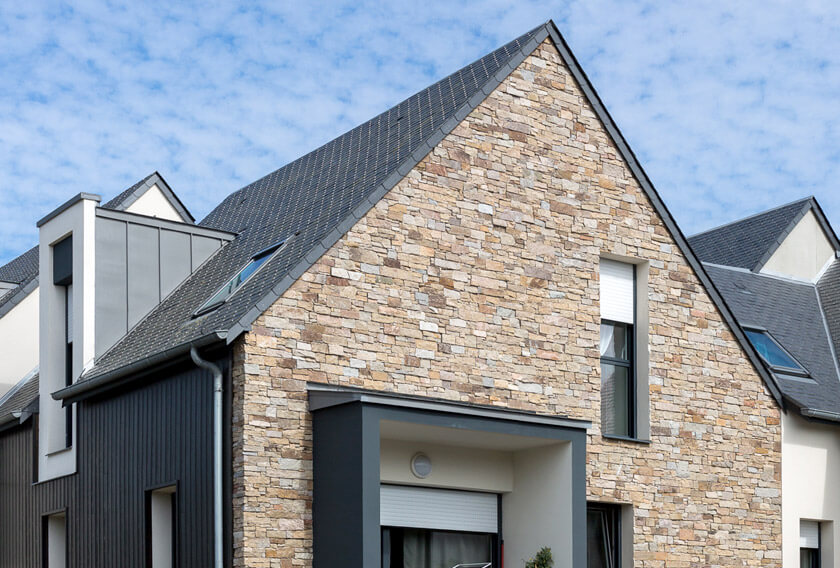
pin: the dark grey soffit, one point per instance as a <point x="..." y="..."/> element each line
<point x="326" y="396"/>
<point x="67" y="205"/>
<point x="647" y="186"/>
<point x="245" y="322"/>
<point x="125" y="199"/>
<point x="84" y="389"/>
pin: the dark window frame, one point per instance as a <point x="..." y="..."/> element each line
<point x="267" y="253"/>
<point x="817" y="559"/>
<point x="800" y="372"/>
<point x="612" y="512"/>
<point x="45" y="536"/>
<point x="630" y="365"/>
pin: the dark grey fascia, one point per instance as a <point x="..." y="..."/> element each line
<point x="157" y="179"/>
<point x="642" y="178"/>
<point x="346" y="465"/>
<point x="157" y="222"/>
<point x="88" y="387"/>
<point x="325" y="396"/>
<point x="67" y="205"/>
<point x="17" y="296"/>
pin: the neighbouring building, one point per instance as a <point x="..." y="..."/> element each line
<point x="464" y="330"/>
<point x="778" y="272"/>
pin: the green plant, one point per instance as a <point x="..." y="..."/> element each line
<point x="543" y="559"/>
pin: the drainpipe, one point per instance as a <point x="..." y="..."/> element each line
<point x="218" y="478"/>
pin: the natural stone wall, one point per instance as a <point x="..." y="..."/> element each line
<point x="476" y="279"/>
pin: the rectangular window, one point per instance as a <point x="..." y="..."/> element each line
<point x="603" y="535"/>
<point x="54" y="541"/>
<point x="618" y="370"/>
<point x="161" y="527"/>
<point x="809" y="544"/>
<point x="68" y="362"/>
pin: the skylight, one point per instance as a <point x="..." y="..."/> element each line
<point x="773" y="353"/>
<point x="240" y="278"/>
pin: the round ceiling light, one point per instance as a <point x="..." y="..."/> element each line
<point x="421" y="465"/>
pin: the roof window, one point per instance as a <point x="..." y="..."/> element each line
<point x="240" y="278"/>
<point x="773" y="354"/>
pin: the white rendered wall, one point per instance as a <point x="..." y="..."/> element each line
<point x="80" y="221"/>
<point x="154" y="204"/>
<point x="162" y="517"/>
<point x="453" y="467"/>
<point x="57" y="541"/>
<point x="538" y="512"/>
<point x="19" y="341"/>
<point x="803" y="254"/>
<point x="810" y="486"/>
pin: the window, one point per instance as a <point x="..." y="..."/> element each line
<point x="773" y="354"/>
<point x="809" y="544"/>
<point x="240" y="278"/>
<point x="161" y="527"/>
<point x="63" y="279"/>
<point x="603" y="535"/>
<point x="54" y="541"/>
<point x="618" y="369"/>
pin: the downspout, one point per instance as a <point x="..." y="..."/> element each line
<point x="218" y="477"/>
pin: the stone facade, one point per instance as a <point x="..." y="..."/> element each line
<point x="476" y="279"/>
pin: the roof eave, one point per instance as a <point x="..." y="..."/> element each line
<point x="120" y="376"/>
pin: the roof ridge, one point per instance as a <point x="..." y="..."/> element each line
<point x="753" y="216"/>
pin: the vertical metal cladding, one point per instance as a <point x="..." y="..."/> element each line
<point x="155" y="435"/>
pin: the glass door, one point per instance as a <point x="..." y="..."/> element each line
<point x="427" y="548"/>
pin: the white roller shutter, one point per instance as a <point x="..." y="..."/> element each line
<point x="440" y="509"/>
<point x="809" y="534"/>
<point x="617" y="291"/>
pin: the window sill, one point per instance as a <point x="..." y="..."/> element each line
<point x="624" y="439"/>
<point x="58" y="452"/>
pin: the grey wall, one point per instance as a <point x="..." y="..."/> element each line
<point x="139" y="262"/>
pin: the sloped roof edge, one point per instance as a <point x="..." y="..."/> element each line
<point x="125" y="199"/>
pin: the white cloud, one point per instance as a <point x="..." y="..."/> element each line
<point x="730" y="106"/>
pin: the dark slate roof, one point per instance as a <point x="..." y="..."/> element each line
<point x="748" y="243"/>
<point x="309" y="200"/>
<point x="828" y="288"/>
<point x="20" y="268"/>
<point x="123" y="200"/>
<point x="316" y="199"/>
<point x="18" y="398"/>
<point x="791" y="312"/>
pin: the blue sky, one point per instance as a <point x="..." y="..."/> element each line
<point x="731" y="107"/>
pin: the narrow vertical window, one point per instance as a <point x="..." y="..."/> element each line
<point x="63" y="278"/>
<point x="809" y="544"/>
<point x="54" y="539"/>
<point x="603" y="535"/>
<point x="161" y="527"/>
<point x="617" y="349"/>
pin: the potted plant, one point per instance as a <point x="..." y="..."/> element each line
<point x="543" y="559"/>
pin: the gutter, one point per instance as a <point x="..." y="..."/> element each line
<point x="820" y="414"/>
<point x="218" y="479"/>
<point x="86" y="388"/>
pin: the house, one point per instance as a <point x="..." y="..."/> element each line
<point x="778" y="272"/>
<point x="464" y="330"/>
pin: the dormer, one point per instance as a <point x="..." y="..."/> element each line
<point x="803" y="253"/>
<point x="102" y="270"/>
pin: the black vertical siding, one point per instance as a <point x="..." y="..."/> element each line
<point x="140" y="439"/>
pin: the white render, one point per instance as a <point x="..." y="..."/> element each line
<point x="19" y="338"/>
<point x="810" y="486"/>
<point x="79" y="220"/>
<point x="153" y="203"/>
<point x="804" y="253"/>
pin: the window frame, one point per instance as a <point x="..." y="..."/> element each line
<point x="613" y="512"/>
<point x="800" y="372"/>
<point x="268" y="253"/>
<point x="630" y="365"/>
<point x="45" y="536"/>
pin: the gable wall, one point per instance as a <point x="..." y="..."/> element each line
<point x="804" y="253"/>
<point x="476" y="279"/>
